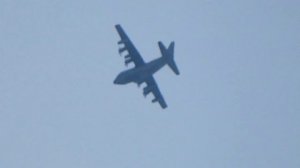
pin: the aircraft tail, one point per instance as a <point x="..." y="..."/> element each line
<point x="168" y="54"/>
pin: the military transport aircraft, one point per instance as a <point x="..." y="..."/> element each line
<point x="143" y="72"/>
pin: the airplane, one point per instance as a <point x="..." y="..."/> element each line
<point x="143" y="72"/>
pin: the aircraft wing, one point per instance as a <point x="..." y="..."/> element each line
<point x="133" y="55"/>
<point x="152" y="87"/>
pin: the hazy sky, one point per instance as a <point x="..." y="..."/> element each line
<point x="235" y="104"/>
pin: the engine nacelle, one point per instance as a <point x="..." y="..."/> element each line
<point x="139" y="83"/>
<point x="147" y="90"/>
<point x="123" y="41"/>
<point x="127" y="56"/>
<point x="154" y="100"/>
<point x="122" y="50"/>
<point x="127" y="61"/>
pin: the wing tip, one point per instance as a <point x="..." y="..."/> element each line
<point x="164" y="106"/>
<point x="118" y="26"/>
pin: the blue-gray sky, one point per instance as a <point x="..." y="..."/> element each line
<point x="235" y="104"/>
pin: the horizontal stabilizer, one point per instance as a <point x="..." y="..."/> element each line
<point x="168" y="54"/>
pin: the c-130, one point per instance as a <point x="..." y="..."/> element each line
<point x="143" y="72"/>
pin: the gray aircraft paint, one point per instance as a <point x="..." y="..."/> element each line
<point x="143" y="72"/>
<point x="235" y="104"/>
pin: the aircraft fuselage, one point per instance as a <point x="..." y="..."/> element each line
<point x="140" y="74"/>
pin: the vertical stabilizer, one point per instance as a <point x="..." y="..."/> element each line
<point x="168" y="54"/>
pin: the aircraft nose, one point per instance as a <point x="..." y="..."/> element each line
<point x="116" y="81"/>
<point x="119" y="80"/>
